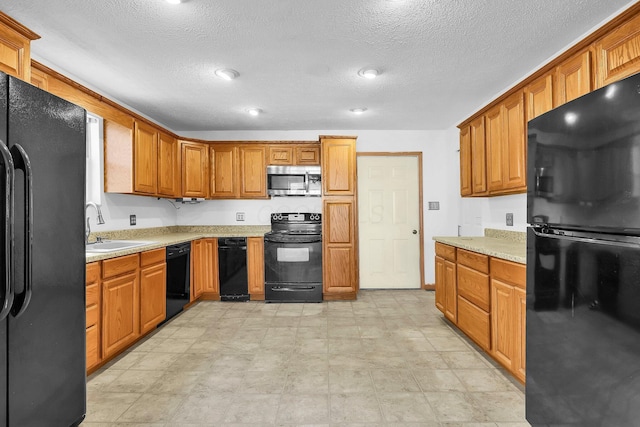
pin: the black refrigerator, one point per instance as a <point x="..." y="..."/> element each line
<point x="42" y="258"/>
<point x="583" y="261"/>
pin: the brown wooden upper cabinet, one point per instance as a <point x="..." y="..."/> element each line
<point x="294" y="154"/>
<point x="618" y="53"/>
<point x="253" y="171"/>
<point x="168" y="166"/>
<point x="573" y="78"/>
<point x="539" y="96"/>
<point x="338" y="166"/>
<point x="506" y="146"/>
<point x="15" y="48"/>
<point x="238" y="171"/>
<point x="145" y="158"/>
<point x="195" y="169"/>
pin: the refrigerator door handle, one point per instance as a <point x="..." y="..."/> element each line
<point x="587" y="237"/>
<point x="7" y="161"/>
<point x="21" y="160"/>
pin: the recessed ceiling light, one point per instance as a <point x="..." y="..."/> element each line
<point x="358" y="110"/>
<point x="369" y="73"/>
<point x="227" y="73"/>
<point x="174" y="1"/>
<point x="254" y="111"/>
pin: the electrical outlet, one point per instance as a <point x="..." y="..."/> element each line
<point x="132" y="220"/>
<point x="239" y="216"/>
<point x="510" y="219"/>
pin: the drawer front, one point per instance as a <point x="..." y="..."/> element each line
<point x="474" y="322"/>
<point x="510" y="272"/>
<point x="93" y="295"/>
<point x="155" y="256"/>
<point x="116" y="266"/>
<point x="93" y="314"/>
<point x="93" y="272"/>
<point x="474" y="260"/>
<point x="446" y="251"/>
<point x="474" y="286"/>
<point x="93" y="346"/>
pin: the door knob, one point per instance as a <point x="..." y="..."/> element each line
<point x="415" y="231"/>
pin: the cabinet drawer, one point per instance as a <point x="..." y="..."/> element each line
<point x="93" y="295"/>
<point x="93" y="346"/>
<point x="446" y="251"/>
<point x="474" y="322"/>
<point x="116" y="266"/>
<point x="510" y="272"/>
<point x="474" y="286"/>
<point x="155" y="256"/>
<point x="93" y="313"/>
<point x="93" y="272"/>
<point x="473" y="260"/>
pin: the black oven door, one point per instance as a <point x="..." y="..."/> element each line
<point x="293" y="262"/>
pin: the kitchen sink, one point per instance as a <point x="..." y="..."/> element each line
<point x="114" y="245"/>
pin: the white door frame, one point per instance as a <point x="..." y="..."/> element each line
<point x="417" y="154"/>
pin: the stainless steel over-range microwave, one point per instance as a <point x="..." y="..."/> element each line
<point x="294" y="181"/>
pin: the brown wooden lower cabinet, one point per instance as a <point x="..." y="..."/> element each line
<point x="120" y="304"/>
<point x="255" y="267"/>
<point x="209" y="269"/>
<point x="198" y="269"/>
<point x="490" y="302"/>
<point x="153" y="289"/>
<point x="93" y="297"/>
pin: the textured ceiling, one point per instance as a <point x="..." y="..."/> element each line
<point x="298" y="59"/>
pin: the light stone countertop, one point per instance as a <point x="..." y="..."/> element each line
<point x="162" y="237"/>
<point x="508" y="245"/>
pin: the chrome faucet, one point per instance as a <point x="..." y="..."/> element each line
<point x="87" y="232"/>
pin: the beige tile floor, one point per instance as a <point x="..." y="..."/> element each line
<point x="387" y="359"/>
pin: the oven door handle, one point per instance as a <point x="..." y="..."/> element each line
<point x="288" y="289"/>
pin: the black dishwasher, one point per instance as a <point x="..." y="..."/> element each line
<point x="232" y="268"/>
<point x="178" y="277"/>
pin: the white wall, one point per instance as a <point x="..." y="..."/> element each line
<point x="478" y="213"/>
<point x="116" y="208"/>
<point x="440" y="164"/>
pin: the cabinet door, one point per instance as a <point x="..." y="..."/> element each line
<point x="440" y="285"/>
<point x="465" y="162"/>
<point x="93" y="297"/>
<point x="494" y="148"/>
<point x="255" y="267"/>
<point x="195" y="169"/>
<point x="338" y="166"/>
<point x="224" y="181"/>
<point x="39" y="79"/>
<point x="519" y="366"/>
<point x="451" y="292"/>
<point x="281" y="155"/>
<point x="539" y="96"/>
<point x="514" y="148"/>
<point x="15" y="53"/>
<point x="253" y="172"/>
<point x="574" y="78"/>
<point x="168" y="177"/>
<point x="120" y="315"/>
<point x="145" y="158"/>
<point x="153" y="300"/>
<point x="618" y="53"/>
<point x="307" y="155"/>
<point x="502" y="322"/>
<point x="210" y="269"/>
<point x="338" y="247"/>
<point x="478" y="157"/>
<point x="198" y="269"/>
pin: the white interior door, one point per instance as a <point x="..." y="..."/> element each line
<point x="389" y="221"/>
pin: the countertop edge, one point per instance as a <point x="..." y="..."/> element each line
<point x="498" y="248"/>
<point x="160" y="241"/>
